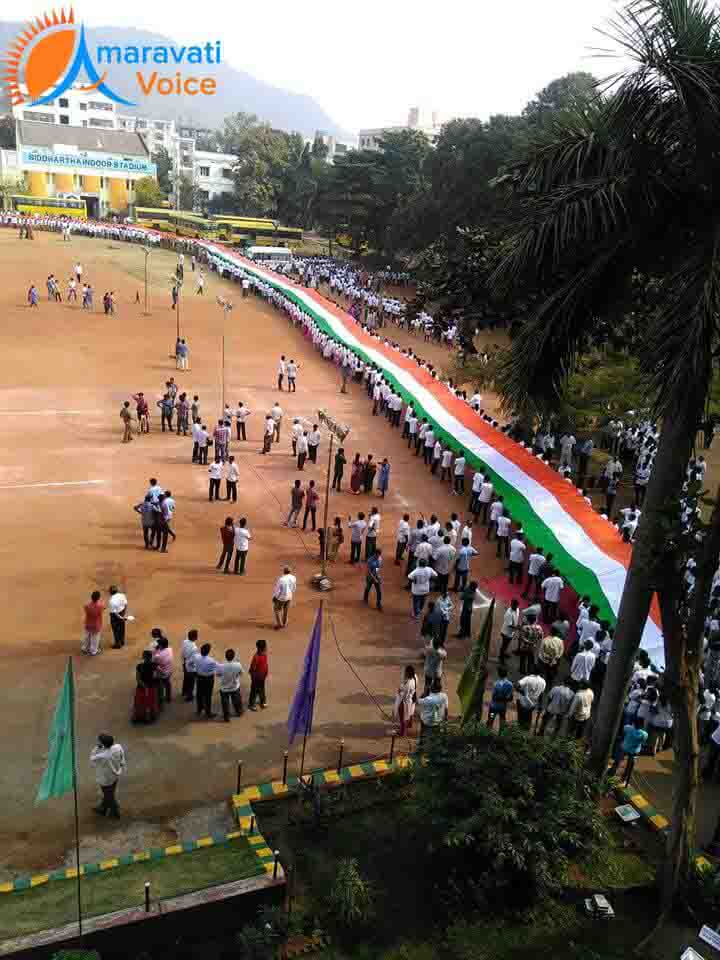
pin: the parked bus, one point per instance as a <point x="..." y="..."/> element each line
<point x="176" y="221"/>
<point x="50" y="206"/>
<point x="260" y="253"/>
<point x="255" y="231"/>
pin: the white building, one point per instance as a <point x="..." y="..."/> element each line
<point x="213" y="173"/>
<point x="75" y="108"/>
<point x="336" y="148"/>
<point x="369" y="138"/>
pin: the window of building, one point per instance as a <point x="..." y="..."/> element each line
<point x="227" y="173"/>
<point x="39" y="117"/>
<point x="100" y="105"/>
<point x="63" y="102"/>
<point x="83" y="106"/>
<point x="204" y="171"/>
<point x="64" y="118"/>
<point x="96" y="122"/>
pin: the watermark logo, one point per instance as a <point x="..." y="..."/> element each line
<point x="52" y="54"/>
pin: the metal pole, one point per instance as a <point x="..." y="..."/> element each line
<point x="177" y="311"/>
<point x="222" y="398"/>
<point x="147" y="896"/>
<point x="75" y="793"/>
<point x="340" y="755"/>
<point x="275" y="864"/>
<point x="146" y="266"/>
<point x="239" y="777"/>
<point x="326" y="537"/>
<point x="392" y="749"/>
<point x="252" y="825"/>
<point x="285" y="766"/>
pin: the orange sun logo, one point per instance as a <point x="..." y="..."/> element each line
<point x="44" y="52"/>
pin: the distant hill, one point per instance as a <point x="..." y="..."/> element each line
<point x="237" y="90"/>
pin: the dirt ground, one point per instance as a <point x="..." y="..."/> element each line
<point x="66" y="373"/>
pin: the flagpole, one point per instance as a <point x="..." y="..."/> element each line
<point x="309" y="715"/>
<point x="75" y="794"/>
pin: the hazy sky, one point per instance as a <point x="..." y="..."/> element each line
<point x="367" y="63"/>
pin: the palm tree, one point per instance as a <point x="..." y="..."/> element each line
<point x="629" y="185"/>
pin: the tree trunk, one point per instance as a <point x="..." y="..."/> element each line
<point x="643" y="577"/>
<point x="683" y="652"/>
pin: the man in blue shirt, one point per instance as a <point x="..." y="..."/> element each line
<point x="373" y="579"/>
<point x="502" y="694"/>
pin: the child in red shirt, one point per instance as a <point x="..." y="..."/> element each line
<point x="258" y="675"/>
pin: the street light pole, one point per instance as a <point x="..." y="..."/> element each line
<point x="227" y="307"/>
<point x="337" y="431"/>
<point x="146" y="251"/>
<point x="176" y="284"/>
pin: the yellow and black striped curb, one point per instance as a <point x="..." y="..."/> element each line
<point x="243" y="802"/>
<point x="89" y="869"/>
<point x="655" y="820"/>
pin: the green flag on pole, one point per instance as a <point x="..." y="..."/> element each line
<point x="472" y="682"/>
<point x="59" y="775"/>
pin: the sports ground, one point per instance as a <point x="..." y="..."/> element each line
<point x="67" y="488"/>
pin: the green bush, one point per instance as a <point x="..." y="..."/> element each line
<point x="351" y="897"/>
<point x="503" y="813"/>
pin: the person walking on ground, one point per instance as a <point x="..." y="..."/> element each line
<point x="93" y="625"/>
<point x="241" y="415"/>
<point x="117" y="605"/>
<point x="551" y="587"/>
<point x="459" y="476"/>
<point x="292" y="370"/>
<point x="268" y="434"/>
<point x="230" y="673"/>
<point x="282" y="370"/>
<point x="401" y="538"/>
<point x="242" y="545"/>
<point x="384" y="477"/>
<point x="405" y="701"/>
<point x="205" y="669"/>
<point x="373" y="529"/>
<point x="510" y="628"/>
<point x="500" y="697"/>
<point x="531" y="688"/>
<point x="302" y="447"/>
<point x="434" y="654"/>
<point x="420" y="579"/>
<point x="517" y="558"/>
<point x="107" y="759"/>
<point x="231" y="480"/>
<point x="558" y="705"/>
<point x="148" y="512"/>
<point x="283" y="592"/>
<point x="227" y="538"/>
<point x="215" y="470"/>
<point x="188" y="654"/>
<point x="580" y="710"/>
<point x="433" y="710"/>
<point x="312" y="499"/>
<point x="127" y="420"/>
<point x="313" y="443"/>
<point x="468" y="597"/>
<point x="297" y="497"/>
<point x="369" y="474"/>
<point x="337" y="538"/>
<point x="357" y="530"/>
<point x="258" y="676"/>
<point x="462" y="564"/>
<point x="145" y="704"/>
<point x="531" y="636"/>
<point x="373" y="580"/>
<point x="356" y="474"/>
<point x="277" y="414"/>
<point x="167" y="511"/>
<point x="163" y="660"/>
<point x="338" y="469"/>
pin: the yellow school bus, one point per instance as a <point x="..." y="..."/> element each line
<point x="50" y="206"/>
<point x="256" y="231"/>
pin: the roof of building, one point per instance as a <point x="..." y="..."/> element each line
<point x="48" y="135"/>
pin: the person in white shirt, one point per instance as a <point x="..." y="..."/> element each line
<point x="231" y="480"/>
<point x="401" y="538"/>
<point x="420" y="579"/>
<point x="531" y="688"/>
<point x="292" y="369"/>
<point x="277" y="414"/>
<point x="357" y="531"/>
<point x="282" y="369"/>
<point x="216" y="473"/>
<point x="229" y="674"/>
<point x="446" y="465"/>
<point x="373" y="529"/>
<point x="580" y="710"/>
<point x="296" y="432"/>
<point x="535" y="565"/>
<point x="433" y="710"/>
<point x="313" y="439"/>
<point x="242" y="544"/>
<point x="188" y="652"/>
<point x="109" y="764"/>
<point x="117" y="605"/>
<point x="509" y="628"/>
<point x="442" y="562"/>
<point x="518" y="548"/>
<point x="459" y="475"/>
<point x="497" y="509"/>
<point x="283" y="592"/>
<point x="484" y="500"/>
<point x="241" y="415"/>
<point x="589" y="627"/>
<point x="552" y="588"/>
<point x="583" y="663"/>
<point x="503" y="527"/>
<point x="567" y="444"/>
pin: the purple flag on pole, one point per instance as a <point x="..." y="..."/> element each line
<point x="301" y="712"/>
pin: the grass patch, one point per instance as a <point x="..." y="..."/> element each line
<point x="55" y="903"/>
